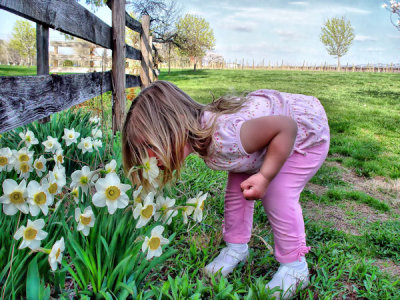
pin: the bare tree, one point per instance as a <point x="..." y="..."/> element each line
<point x="394" y="8"/>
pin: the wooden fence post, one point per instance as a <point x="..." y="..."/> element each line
<point x="145" y="48"/>
<point x="42" y="55"/>
<point x="118" y="64"/>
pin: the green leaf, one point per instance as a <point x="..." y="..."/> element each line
<point x="33" y="281"/>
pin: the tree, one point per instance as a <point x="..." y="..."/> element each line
<point x="394" y="8"/>
<point x="194" y="37"/>
<point x="24" y="40"/>
<point x="337" y="35"/>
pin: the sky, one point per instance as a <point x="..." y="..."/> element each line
<point x="288" y="31"/>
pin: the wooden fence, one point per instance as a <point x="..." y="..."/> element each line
<point x="24" y="99"/>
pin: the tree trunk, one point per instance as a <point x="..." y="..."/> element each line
<point x="338" y="63"/>
<point x="169" y="58"/>
<point x="195" y="64"/>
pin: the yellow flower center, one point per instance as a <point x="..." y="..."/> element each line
<point x="85" y="220"/>
<point x="60" y="159"/>
<point x="28" y="138"/>
<point x="24" y="167"/>
<point x="23" y="157"/>
<point x="53" y="188"/>
<point x="50" y="144"/>
<point x="75" y="193"/>
<point x="3" y="161"/>
<point x="147" y="166"/>
<point x="147" y="212"/>
<point x="16" y="197"/>
<point x="138" y="199"/>
<point x="154" y="243"/>
<point x="83" y="180"/>
<point x="71" y="136"/>
<point x="39" y="165"/>
<point x="40" y="198"/>
<point x="164" y="207"/>
<point x="30" y="233"/>
<point x="58" y="253"/>
<point x="112" y="193"/>
<point x="202" y="205"/>
<point x="86" y="145"/>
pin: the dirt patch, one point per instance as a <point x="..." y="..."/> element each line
<point x="349" y="216"/>
<point x="384" y="189"/>
<point x="388" y="267"/>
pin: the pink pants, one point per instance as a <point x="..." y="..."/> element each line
<point x="281" y="204"/>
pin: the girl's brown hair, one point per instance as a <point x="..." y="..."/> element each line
<point x="164" y="119"/>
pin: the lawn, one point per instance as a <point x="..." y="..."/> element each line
<point x="351" y="206"/>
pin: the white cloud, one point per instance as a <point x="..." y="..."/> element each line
<point x="301" y="3"/>
<point x="376" y="49"/>
<point x="364" y="38"/>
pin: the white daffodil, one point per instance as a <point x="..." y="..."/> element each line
<point x="59" y="157"/>
<point x="164" y="209"/>
<point x="75" y="195"/>
<point x="85" y="220"/>
<point x="56" y="253"/>
<point x="31" y="235"/>
<point x="7" y="159"/>
<point x="59" y="175"/>
<point x="94" y="120"/>
<point x="86" y="145"/>
<point x="97" y="144"/>
<point x="23" y="156"/>
<point x="39" y="198"/>
<point x="154" y="243"/>
<point x="151" y="170"/>
<point x="29" y="138"/>
<point x="198" y="203"/>
<point x="83" y="178"/>
<point x="96" y="133"/>
<point x="111" y="192"/>
<point x="52" y="186"/>
<point x="144" y="211"/>
<point x="111" y="166"/>
<point x="24" y="169"/>
<point x="14" y="197"/>
<point x="70" y="136"/>
<point x="40" y="165"/>
<point x="186" y="212"/>
<point x="51" y="144"/>
<point x="138" y="195"/>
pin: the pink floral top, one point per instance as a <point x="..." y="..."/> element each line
<point x="226" y="151"/>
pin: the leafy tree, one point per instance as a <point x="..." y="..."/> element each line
<point x="23" y="40"/>
<point x="394" y="8"/>
<point x="194" y="37"/>
<point x="337" y="35"/>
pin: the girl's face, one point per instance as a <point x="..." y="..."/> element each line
<point x="186" y="151"/>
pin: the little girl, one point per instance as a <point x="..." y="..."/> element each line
<point x="270" y="142"/>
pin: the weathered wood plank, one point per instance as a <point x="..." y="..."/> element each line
<point x="145" y="48"/>
<point x="78" y="22"/>
<point x="132" y="81"/>
<point x="133" y="24"/>
<point x="133" y="53"/>
<point x="42" y="54"/>
<point x="118" y="64"/>
<point x="24" y="99"/>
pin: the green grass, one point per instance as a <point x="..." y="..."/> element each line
<point x="363" y="111"/>
<point x="17" y="70"/>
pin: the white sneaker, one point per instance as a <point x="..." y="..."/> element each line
<point x="226" y="261"/>
<point x="288" y="280"/>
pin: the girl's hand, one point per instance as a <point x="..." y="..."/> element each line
<point x="254" y="187"/>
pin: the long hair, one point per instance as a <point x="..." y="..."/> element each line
<point x="164" y="119"/>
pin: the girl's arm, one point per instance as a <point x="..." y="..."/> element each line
<point x="279" y="134"/>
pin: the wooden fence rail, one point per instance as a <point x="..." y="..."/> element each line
<point x="24" y="99"/>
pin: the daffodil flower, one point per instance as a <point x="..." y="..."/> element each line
<point x="59" y="157"/>
<point x="85" y="220"/>
<point x="6" y="159"/>
<point x="70" y="136"/>
<point x="23" y="156"/>
<point x="75" y="195"/>
<point x="111" y="192"/>
<point x="86" y="145"/>
<point x="40" y="165"/>
<point x="96" y="133"/>
<point x="198" y="202"/>
<point x="164" y="211"/>
<point x="51" y="144"/>
<point x="83" y="178"/>
<point x="144" y="211"/>
<point x="97" y="144"/>
<point x="29" y="138"/>
<point x="138" y="195"/>
<point x="151" y="170"/>
<point x="111" y="166"/>
<point x="24" y="169"/>
<point x="154" y="243"/>
<point x="14" y="197"/>
<point x="31" y="235"/>
<point x="56" y="253"/>
<point x="39" y="198"/>
<point x="94" y="120"/>
<point x="58" y="174"/>
<point x="186" y="212"/>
